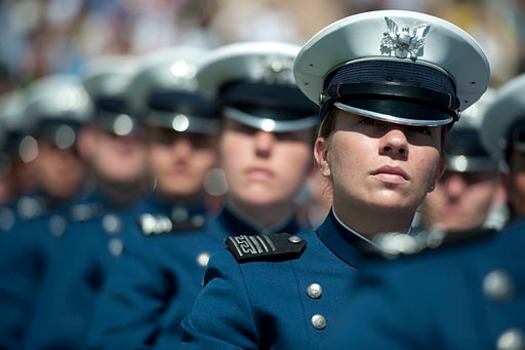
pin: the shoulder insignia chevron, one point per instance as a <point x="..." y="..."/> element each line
<point x="152" y="225"/>
<point x="278" y="246"/>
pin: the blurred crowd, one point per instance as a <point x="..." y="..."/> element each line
<point x="39" y="37"/>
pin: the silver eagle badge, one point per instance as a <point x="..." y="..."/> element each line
<point x="403" y="43"/>
<point x="276" y="71"/>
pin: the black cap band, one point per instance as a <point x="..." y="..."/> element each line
<point x="257" y="97"/>
<point x="413" y="92"/>
<point x="465" y="151"/>
<point x="112" y="115"/>
<point x="167" y="108"/>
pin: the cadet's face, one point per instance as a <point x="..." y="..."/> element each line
<point x="264" y="168"/>
<point x="379" y="168"/>
<point x="61" y="172"/>
<point x="180" y="161"/>
<point x="119" y="159"/>
<point x="460" y="201"/>
<point x="516" y="183"/>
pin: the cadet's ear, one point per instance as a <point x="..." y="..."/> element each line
<point x="439" y="172"/>
<point x="321" y="156"/>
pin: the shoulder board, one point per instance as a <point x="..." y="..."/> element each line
<point x="152" y="225"/>
<point x="393" y="245"/>
<point x="277" y="246"/>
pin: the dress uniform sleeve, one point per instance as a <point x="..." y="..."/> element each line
<point x="73" y="280"/>
<point x="23" y="259"/>
<point x="127" y="313"/>
<point x="222" y="316"/>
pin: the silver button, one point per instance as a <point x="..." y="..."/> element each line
<point x="111" y="223"/>
<point x="498" y="286"/>
<point x="57" y="225"/>
<point x="314" y="290"/>
<point x="198" y="220"/>
<point x="179" y="214"/>
<point x="295" y="239"/>
<point x="7" y="219"/>
<point x="512" y="339"/>
<point x="318" y="321"/>
<point x="115" y="246"/>
<point x="203" y="259"/>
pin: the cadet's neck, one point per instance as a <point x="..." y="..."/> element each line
<point x="269" y="216"/>
<point x="120" y="193"/>
<point x="372" y="221"/>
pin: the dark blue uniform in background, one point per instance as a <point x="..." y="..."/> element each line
<point x="463" y="295"/>
<point x="26" y="249"/>
<point x="76" y="273"/>
<point x="157" y="278"/>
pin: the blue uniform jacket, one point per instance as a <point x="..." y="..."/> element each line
<point x="469" y="295"/>
<point x="94" y="238"/>
<point x="154" y="283"/>
<point x="28" y="241"/>
<point x="284" y="303"/>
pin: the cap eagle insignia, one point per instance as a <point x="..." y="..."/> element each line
<point x="403" y="43"/>
<point x="276" y="71"/>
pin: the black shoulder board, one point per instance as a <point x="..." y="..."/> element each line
<point x="152" y="225"/>
<point x="277" y="246"/>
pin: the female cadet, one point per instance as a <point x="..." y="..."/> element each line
<point x="59" y="106"/>
<point x="265" y="149"/>
<point x="391" y="82"/>
<point x="474" y="297"/>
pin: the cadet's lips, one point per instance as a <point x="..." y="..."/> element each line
<point x="393" y="174"/>
<point x="257" y="173"/>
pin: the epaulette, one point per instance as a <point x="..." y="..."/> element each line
<point x="393" y="245"/>
<point x="152" y="225"/>
<point x="277" y="246"/>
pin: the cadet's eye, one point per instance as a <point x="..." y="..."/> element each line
<point x="369" y="121"/>
<point x="423" y="130"/>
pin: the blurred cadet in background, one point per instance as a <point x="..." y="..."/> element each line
<point x="180" y="134"/>
<point x="265" y="149"/>
<point x="112" y="145"/>
<point x="470" y="188"/>
<point x="19" y="148"/>
<point x="504" y="137"/>
<point x="60" y="105"/>
<point x="467" y="292"/>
